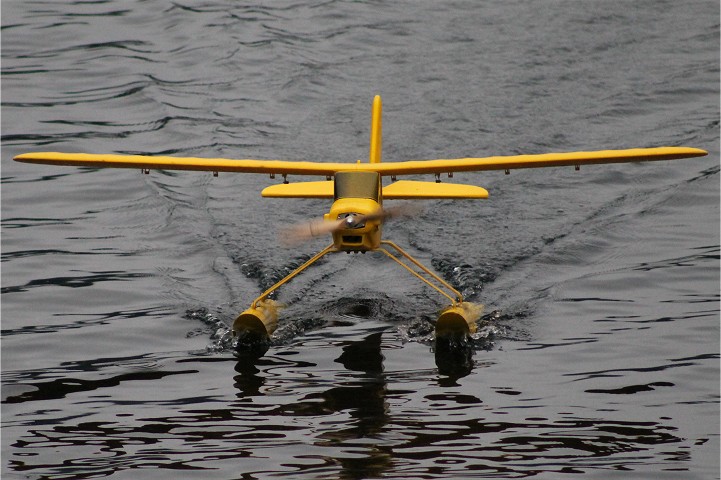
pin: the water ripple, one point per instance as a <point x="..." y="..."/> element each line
<point x="599" y="354"/>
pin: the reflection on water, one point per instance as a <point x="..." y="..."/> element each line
<point x="361" y="396"/>
<point x="363" y="446"/>
<point x="360" y="421"/>
<point x="454" y="355"/>
<point x="605" y="281"/>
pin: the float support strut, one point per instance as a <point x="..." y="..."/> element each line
<point x="290" y="276"/>
<point x="456" y="321"/>
<point x="261" y="318"/>
<point x="458" y="299"/>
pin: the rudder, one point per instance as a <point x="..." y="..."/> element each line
<point x="376" y="127"/>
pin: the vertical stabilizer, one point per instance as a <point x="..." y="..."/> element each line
<point x="376" y="127"/>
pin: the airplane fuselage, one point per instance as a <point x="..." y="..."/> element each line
<point x="355" y="237"/>
<point x="357" y="194"/>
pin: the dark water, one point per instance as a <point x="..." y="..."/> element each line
<point x="599" y="353"/>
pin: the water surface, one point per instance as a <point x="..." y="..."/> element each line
<point x="598" y="353"/>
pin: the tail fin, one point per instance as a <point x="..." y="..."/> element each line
<point x="376" y="127"/>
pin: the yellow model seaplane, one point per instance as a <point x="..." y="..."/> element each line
<point x="356" y="216"/>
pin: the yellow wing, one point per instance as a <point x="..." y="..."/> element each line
<point x="182" y="163"/>
<point x="403" y="189"/>
<point x="284" y="167"/>
<point x="539" y="160"/>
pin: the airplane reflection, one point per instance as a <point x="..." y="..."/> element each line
<point x="362" y="397"/>
<point x="454" y="356"/>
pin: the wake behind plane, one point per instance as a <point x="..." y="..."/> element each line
<point x="357" y="214"/>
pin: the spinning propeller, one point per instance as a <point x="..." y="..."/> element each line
<point x="305" y="231"/>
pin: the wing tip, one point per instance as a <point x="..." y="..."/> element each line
<point x="24" y="158"/>
<point x="697" y="152"/>
<point x="680" y="152"/>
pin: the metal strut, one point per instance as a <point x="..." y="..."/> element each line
<point x="458" y="319"/>
<point x="454" y="301"/>
<point x="290" y="276"/>
<point x="261" y="318"/>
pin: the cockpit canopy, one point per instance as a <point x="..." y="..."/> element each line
<point x="357" y="185"/>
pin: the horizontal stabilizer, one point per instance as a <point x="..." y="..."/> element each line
<point x="322" y="189"/>
<point x="409" y="189"/>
